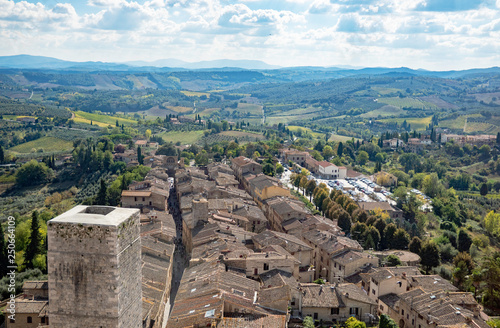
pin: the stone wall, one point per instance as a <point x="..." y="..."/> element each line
<point x="94" y="273"/>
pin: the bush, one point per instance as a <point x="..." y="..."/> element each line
<point x="481" y="241"/>
<point x="443" y="272"/>
<point x="33" y="173"/>
<point x="447" y="252"/>
<point x="447" y="225"/>
<point x="392" y="260"/>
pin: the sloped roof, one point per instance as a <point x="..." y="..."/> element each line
<point x="372" y="206"/>
<point x="350" y="257"/>
<point x="136" y="193"/>
<point x="432" y="283"/>
<point x="289" y="242"/>
<point x="276" y="277"/>
<point x="354" y="292"/>
<point x="321" y="296"/>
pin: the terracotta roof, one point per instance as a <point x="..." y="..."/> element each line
<point x="432" y="283"/>
<point x="350" y="257"/>
<point x="354" y="292"/>
<point x="241" y="161"/>
<point x="278" y="277"/>
<point x="325" y="164"/>
<point x="321" y="296"/>
<point x="135" y="193"/>
<point x="372" y="206"/>
<point x="389" y="299"/>
<point x="262" y="181"/>
<point x="284" y="205"/>
<point x="29" y="306"/>
<point x="288" y="242"/>
<point x="274" y="294"/>
<point x="36" y="284"/>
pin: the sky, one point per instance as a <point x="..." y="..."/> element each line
<point x="427" y="34"/>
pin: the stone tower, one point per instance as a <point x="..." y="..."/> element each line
<point x="94" y="268"/>
<point x="200" y="210"/>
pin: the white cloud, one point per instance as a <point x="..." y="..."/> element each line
<point x="285" y="32"/>
<point x="106" y="3"/>
<point x="322" y="7"/>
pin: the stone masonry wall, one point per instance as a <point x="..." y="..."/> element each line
<point x="94" y="275"/>
<point x="129" y="273"/>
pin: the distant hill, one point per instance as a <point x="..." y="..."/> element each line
<point x="299" y="73"/>
<point x="224" y="74"/>
<point x="221" y="63"/>
<point x="40" y="62"/>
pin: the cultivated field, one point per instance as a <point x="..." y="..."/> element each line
<point x="184" y="137"/>
<point x="338" y="138"/>
<point x="250" y="108"/>
<point x="384" y="111"/>
<point x="297" y="128"/>
<point x="407" y="102"/>
<point x="241" y="136"/>
<point x="101" y="119"/>
<point x="385" y="91"/>
<point x="440" y="103"/>
<point x="47" y="144"/>
<point x="178" y="109"/>
<point x="419" y="123"/>
<point x="155" y="112"/>
<point x="195" y="94"/>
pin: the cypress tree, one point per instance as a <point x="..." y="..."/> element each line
<point x="101" y="197"/>
<point x="484" y="189"/>
<point x="340" y="149"/>
<point x="33" y="248"/>
<point x="430" y="256"/>
<point x="3" y="253"/>
<point x="140" y="158"/>
<point x="464" y="241"/>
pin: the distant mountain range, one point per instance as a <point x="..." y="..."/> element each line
<point x="40" y="62"/>
<point x="220" y="63"/>
<point x="302" y="73"/>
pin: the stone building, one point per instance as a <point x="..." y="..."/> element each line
<point x="335" y="303"/>
<point x="242" y="165"/>
<point x="31" y="306"/>
<point x="94" y="268"/>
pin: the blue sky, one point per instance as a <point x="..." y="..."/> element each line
<point x="429" y="34"/>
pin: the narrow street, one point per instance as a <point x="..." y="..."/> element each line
<point x="180" y="258"/>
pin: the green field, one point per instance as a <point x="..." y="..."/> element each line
<point x="487" y="128"/>
<point x="185" y="137"/>
<point x="314" y="134"/>
<point x="305" y="114"/>
<point x="203" y="113"/>
<point x="250" y="108"/>
<point x="338" y="138"/>
<point x="242" y="134"/>
<point x="457" y="123"/>
<point x="101" y="119"/>
<point x="385" y="91"/>
<point x="48" y="144"/>
<point x="195" y="94"/>
<point x="301" y="111"/>
<point x="384" y="111"/>
<point x="406" y="102"/>
<point x="418" y="123"/>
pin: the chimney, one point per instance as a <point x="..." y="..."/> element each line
<point x="476" y="311"/>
